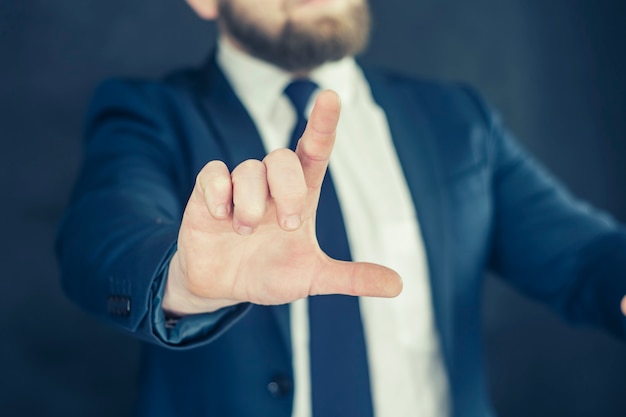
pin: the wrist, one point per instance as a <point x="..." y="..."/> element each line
<point x="178" y="301"/>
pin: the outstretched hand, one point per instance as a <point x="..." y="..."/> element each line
<point x="249" y="235"/>
<point x="624" y="305"/>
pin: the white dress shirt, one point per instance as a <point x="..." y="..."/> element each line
<point x="406" y="371"/>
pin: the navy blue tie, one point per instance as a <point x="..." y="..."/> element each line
<point x="340" y="385"/>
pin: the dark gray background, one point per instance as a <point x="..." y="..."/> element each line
<point x="553" y="68"/>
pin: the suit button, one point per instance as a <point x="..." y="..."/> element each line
<point x="119" y="305"/>
<point x="125" y="307"/>
<point x="280" y="386"/>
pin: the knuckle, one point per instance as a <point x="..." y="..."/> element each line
<point x="250" y="169"/>
<point x="212" y="168"/>
<point x="249" y="165"/>
<point x="283" y="160"/>
<point x="219" y="184"/>
<point x="279" y="156"/>
<point x="316" y="151"/>
<point x="212" y="171"/>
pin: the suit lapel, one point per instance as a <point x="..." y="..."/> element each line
<point x="413" y="138"/>
<point x="414" y="141"/>
<point x="239" y="139"/>
<point x="234" y="129"/>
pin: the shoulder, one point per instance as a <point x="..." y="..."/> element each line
<point x="450" y="117"/>
<point x="435" y="98"/>
<point x="137" y="91"/>
<point x="150" y="102"/>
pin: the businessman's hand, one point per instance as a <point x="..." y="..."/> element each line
<point x="624" y="305"/>
<point x="249" y="235"/>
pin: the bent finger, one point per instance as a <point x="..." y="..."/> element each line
<point x="214" y="183"/>
<point x="287" y="187"/>
<point x="250" y="194"/>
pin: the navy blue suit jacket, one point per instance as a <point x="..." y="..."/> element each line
<point x="483" y="203"/>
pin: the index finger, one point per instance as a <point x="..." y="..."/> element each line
<point x="318" y="139"/>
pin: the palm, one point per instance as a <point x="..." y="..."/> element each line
<point x="270" y="266"/>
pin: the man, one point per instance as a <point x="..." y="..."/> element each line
<point x="193" y="227"/>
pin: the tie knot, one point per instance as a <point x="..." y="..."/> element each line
<point x="299" y="93"/>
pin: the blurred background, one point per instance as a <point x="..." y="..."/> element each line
<point x="554" y="69"/>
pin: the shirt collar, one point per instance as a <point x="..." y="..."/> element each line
<point x="259" y="85"/>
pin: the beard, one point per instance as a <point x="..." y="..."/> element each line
<point x="299" y="46"/>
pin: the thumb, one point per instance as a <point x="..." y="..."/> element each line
<point x="357" y="279"/>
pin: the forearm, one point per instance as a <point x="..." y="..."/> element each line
<point x="111" y="248"/>
<point x="114" y="255"/>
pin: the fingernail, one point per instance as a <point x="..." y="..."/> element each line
<point x="221" y="210"/>
<point x="244" y="230"/>
<point x="292" y="221"/>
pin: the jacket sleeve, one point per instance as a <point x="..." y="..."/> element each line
<point x="119" y="232"/>
<point x="549" y="245"/>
